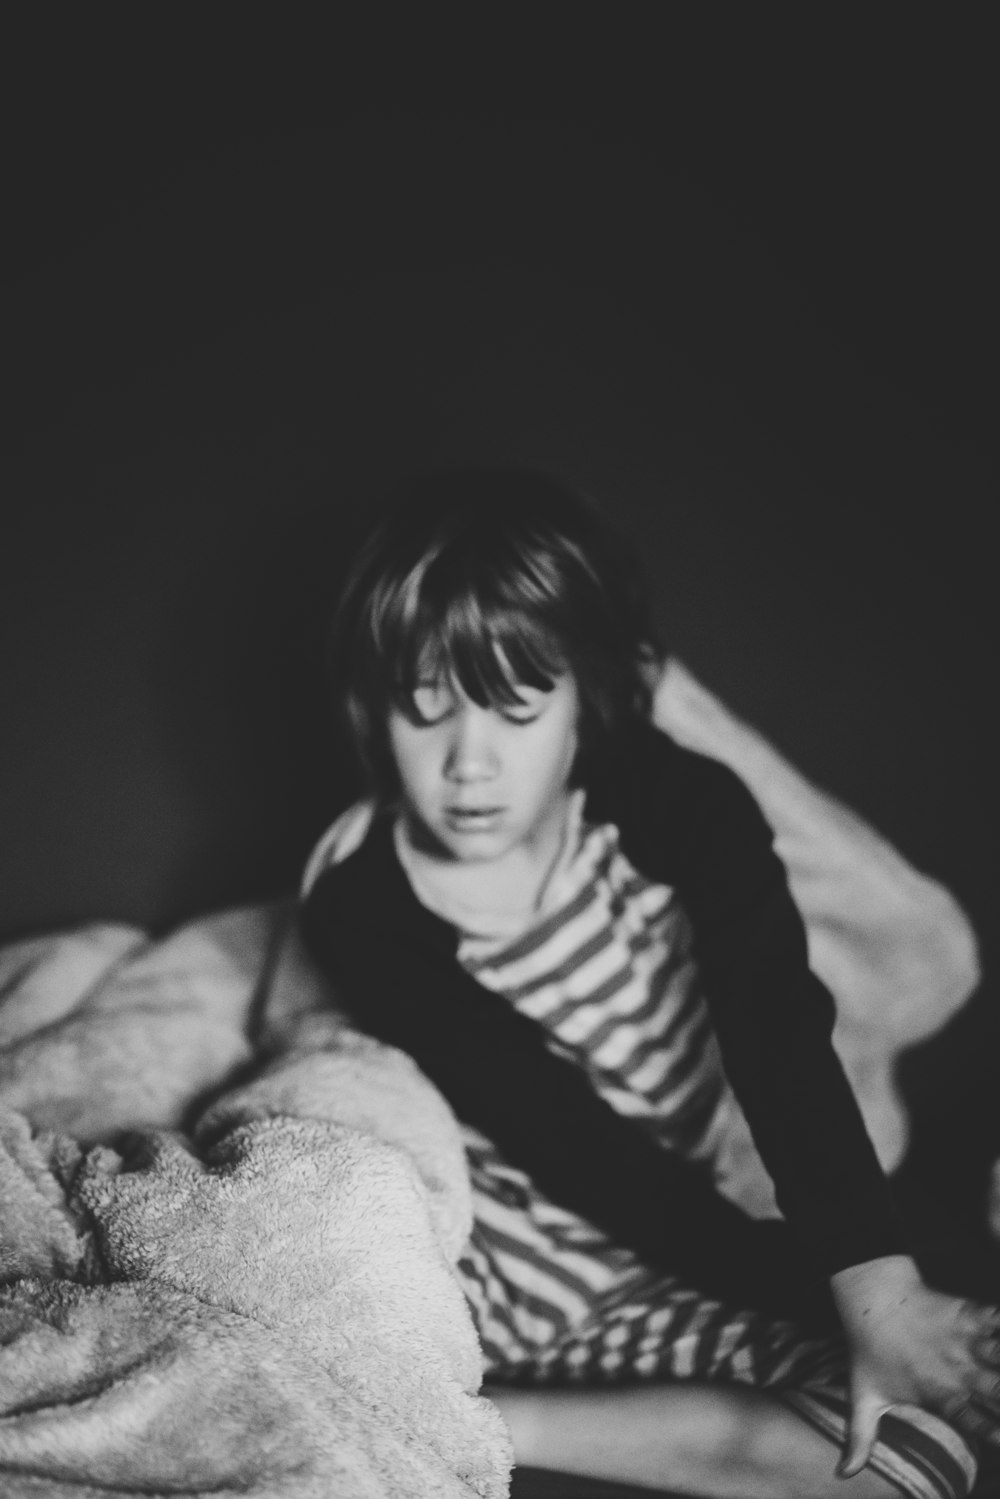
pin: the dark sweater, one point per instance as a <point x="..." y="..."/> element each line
<point x="690" y="823"/>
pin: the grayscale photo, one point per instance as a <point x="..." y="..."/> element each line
<point x="498" y="815"/>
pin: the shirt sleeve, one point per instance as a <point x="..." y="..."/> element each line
<point x="395" y="966"/>
<point x="691" y="823"/>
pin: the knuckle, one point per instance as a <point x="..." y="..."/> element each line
<point x="988" y="1348"/>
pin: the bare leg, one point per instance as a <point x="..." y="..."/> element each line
<point x="719" y="1442"/>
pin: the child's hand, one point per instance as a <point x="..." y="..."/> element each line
<point x="909" y="1344"/>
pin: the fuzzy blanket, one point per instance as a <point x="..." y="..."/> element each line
<point x="248" y="1288"/>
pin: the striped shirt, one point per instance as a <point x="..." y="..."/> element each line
<point x="605" y="966"/>
<point x="688" y="825"/>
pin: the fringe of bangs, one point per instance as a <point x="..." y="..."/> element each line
<point x="490" y="652"/>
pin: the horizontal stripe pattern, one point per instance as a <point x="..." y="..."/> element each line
<point x="917" y="1451"/>
<point x="608" y="972"/>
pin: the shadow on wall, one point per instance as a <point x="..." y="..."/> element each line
<point x="217" y="391"/>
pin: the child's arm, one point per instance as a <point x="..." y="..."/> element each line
<point x="907" y="1342"/>
<point x="690" y="823"/>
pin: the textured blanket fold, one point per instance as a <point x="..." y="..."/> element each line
<point x="262" y="1305"/>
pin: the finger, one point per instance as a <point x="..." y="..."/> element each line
<point x="984" y="1387"/>
<point x="987" y="1350"/>
<point x="976" y="1422"/>
<point x="867" y="1408"/>
<point x="979" y="1317"/>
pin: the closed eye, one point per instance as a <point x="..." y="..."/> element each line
<point x="530" y="706"/>
<point x="520" y="716"/>
<point x="431" y="702"/>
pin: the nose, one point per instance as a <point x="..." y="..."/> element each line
<point x="472" y="753"/>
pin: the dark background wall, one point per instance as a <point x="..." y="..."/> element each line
<point x="735" y="276"/>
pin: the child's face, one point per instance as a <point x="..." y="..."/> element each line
<point x="485" y="781"/>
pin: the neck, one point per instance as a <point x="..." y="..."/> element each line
<point x="515" y="881"/>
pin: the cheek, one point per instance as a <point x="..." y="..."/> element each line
<point x="571" y="731"/>
<point x="408" y="752"/>
<point x="560" y="756"/>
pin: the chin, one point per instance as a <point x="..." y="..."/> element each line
<point x="477" y="848"/>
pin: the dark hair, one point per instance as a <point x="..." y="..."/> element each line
<point x="498" y="577"/>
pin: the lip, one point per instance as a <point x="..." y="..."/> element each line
<point x="472" y="817"/>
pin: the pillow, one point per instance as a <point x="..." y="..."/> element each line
<point x="103" y="1028"/>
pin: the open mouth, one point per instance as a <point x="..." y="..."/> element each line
<point x="472" y="818"/>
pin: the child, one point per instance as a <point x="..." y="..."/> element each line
<point x="583" y="936"/>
